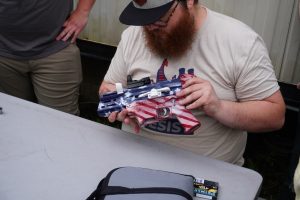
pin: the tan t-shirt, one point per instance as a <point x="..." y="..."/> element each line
<point x="225" y="52"/>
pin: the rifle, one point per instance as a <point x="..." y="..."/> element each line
<point x="149" y="102"/>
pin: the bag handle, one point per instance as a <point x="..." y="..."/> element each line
<point x="96" y="194"/>
<point x="112" y="190"/>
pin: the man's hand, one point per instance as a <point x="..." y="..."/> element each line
<point x="118" y="116"/>
<point x="73" y="26"/>
<point x="197" y="93"/>
<point x="106" y="87"/>
<point x="125" y="118"/>
<point x="254" y="116"/>
<point x="77" y="21"/>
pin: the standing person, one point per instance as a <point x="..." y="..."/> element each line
<point x="235" y="89"/>
<point x="38" y="57"/>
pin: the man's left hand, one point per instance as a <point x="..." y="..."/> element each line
<point x="197" y="93"/>
<point x="73" y="26"/>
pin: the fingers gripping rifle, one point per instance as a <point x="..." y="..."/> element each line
<point x="150" y="102"/>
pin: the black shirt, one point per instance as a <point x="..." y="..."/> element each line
<point x="28" y="28"/>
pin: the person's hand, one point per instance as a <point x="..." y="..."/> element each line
<point x="118" y="116"/>
<point x="73" y="26"/>
<point x="125" y="118"/>
<point x="106" y="87"/>
<point x="197" y="93"/>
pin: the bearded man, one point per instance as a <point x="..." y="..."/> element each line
<point x="234" y="89"/>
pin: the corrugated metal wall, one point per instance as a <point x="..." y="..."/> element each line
<point x="277" y="21"/>
<point x="290" y="70"/>
<point x="104" y="25"/>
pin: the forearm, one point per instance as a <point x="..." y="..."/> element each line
<point x="85" y="6"/>
<point x="252" y="116"/>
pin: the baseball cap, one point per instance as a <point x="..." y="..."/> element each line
<point x="144" y="12"/>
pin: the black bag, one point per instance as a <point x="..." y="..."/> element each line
<point x="133" y="183"/>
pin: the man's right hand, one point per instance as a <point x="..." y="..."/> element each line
<point x="118" y="116"/>
<point x="125" y="118"/>
<point x="106" y="87"/>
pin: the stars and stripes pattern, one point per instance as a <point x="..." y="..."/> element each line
<point x="154" y="110"/>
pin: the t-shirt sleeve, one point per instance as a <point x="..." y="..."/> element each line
<point x="117" y="71"/>
<point x="256" y="77"/>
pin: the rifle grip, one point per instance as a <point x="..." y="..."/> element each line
<point x="186" y="118"/>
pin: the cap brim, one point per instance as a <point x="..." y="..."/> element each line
<point x="140" y="17"/>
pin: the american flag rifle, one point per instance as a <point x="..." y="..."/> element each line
<point x="150" y="102"/>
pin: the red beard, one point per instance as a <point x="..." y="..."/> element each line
<point x="174" y="44"/>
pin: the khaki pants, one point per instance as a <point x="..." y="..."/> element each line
<point x="53" y="81"/>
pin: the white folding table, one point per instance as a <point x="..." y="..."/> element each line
<point x="47" y="154"/>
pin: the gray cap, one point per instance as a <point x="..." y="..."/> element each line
<point x="143" y="12"/>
